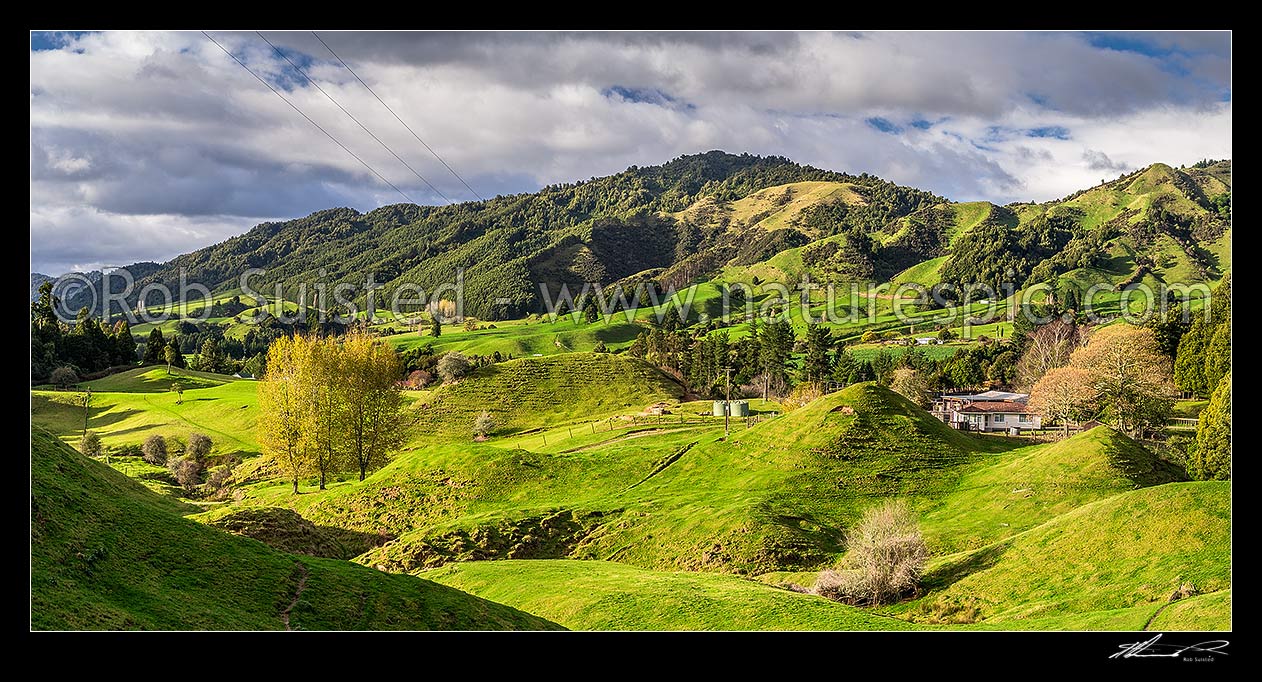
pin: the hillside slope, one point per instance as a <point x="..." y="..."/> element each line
<point x="533" y="392"/>
<point x="777" y="496"/>
<point x="108" y="554"/>
<point x="1021" y="489"/>
<point x="1129" y="550"/>
<point x="603" y="595"/>
<point x="603" y="229"/>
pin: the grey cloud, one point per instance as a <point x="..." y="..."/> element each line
<point x="133" y="131"/>
<point x="1098" y="160"/>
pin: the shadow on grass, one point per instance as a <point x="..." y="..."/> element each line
<point x="950" y="573"/>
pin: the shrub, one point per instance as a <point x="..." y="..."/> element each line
<point x="887" y="555"/>
<point x="453" y="366"/>
<point x="911" y="385"/>
<point x="838" y="585"/>
<point x="64" y="377"/>
<point x="155" y="450"/>
<point x="187" y="472"/>
<point x="198" y="447"/>
<point x="802" y="394"/>
<point x="219" y="477"/>
<point x="483" y="424"/>
<point x="90" y="444"/>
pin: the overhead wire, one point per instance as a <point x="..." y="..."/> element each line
<point x="397" y="117"/>
<point x="385" y="146"/>
<point x="309" y="119"/>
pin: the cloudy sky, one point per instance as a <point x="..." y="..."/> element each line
<point x="147" y="145"/>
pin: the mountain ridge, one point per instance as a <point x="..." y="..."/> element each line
<point x="697" y="215"/>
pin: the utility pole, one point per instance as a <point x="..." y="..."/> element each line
<point x="727" y="405"/>
<point x="87" y="405"/>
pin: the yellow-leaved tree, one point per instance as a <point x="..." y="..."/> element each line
<point x="283" y="407"/>
<point x="1130" y="376"/>
<point x="327" y="400"/>
<point x="329" y="405"/>
<point x="375" y="421"/>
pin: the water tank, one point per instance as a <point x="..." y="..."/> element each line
<point x="739" y="408"/>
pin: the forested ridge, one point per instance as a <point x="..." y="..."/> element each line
<point x="603" y="228"/>
<point x="674" y="224"/>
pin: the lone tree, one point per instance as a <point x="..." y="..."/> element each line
<point x="154" y="450"/>
<point x="1130" y="375"/>
<point x="1049" y="347"/>
<point x="1190" y="359"/>
<point x="435" y="327"/>
<point x="173" y="357"/>
<point x="375" y="422"/>
<point x="1064" y="394"/>
<point x="483" y="424"/>
<point x="887" y="556"/>
<point x="64" y="377"/>
<point x="178" y="389"/>
<point x="155" y="346"/>
<point x="327" y="399"/>
<point x="453" y="366"/>
<point x="818" y="363"/>
<point x="90" y="444"/>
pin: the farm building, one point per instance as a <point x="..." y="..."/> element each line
<point x="988" y="411"/>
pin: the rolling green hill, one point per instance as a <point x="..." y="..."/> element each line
<point x="1016" y="529"/>
<point x="534" y="392"/>
<point x="108" y="554"/>
<point x="671" y="496"/>
<point x="130" y="406"/>
<point x="1129" y="550"/>
<point x="1021" y="489"/>
<point x="603" y="595"/>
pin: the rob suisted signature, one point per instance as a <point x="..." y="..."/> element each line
<point x="1153" y="648"/>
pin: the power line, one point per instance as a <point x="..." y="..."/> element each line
<point x="352" y="117"/>
<point x="309" y="120"/>
<point x="396" y="117"/>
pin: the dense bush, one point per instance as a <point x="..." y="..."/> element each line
<point x="90" y="444"/>
<point x="187" y="471"/>
<point x="886" y="558"/>
<point x="154" y="450"/>
<point x="64" y="377"/>
<point x="198" y="446"/>
<point x="453" y="366"/>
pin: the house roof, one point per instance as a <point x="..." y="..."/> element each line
<point x="996" y="407"/>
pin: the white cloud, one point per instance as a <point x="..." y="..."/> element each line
<point x="135" y="130"/>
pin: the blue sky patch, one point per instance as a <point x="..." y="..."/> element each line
<point x="42" y="41"/>
<point x="1055" y="132"/>
<point x="639" y="95"/>
<point x="884" y="125"/>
